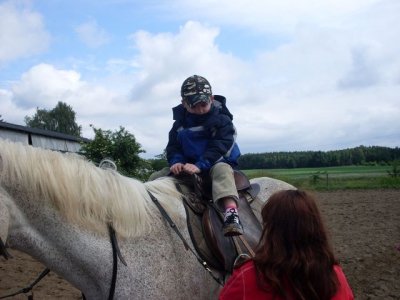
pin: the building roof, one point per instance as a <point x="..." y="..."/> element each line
<point x="42" y="132"/>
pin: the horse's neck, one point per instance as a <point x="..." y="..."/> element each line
<point x="4" y="214"/>
<point x="67" y="249"/>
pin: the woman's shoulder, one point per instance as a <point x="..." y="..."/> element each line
<point x="237" y="286"/>
<point x="339" y="271"/>
<point x="244" y="285"/>
<point x="245" y="271"/>
<point x="248" y="263"/>
<point x="345" y="292"/>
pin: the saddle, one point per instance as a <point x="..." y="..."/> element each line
<point x="205" y="221"/>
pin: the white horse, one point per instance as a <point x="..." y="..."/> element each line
<point x="56" y="208"/>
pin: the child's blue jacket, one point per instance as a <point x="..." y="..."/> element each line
<point x="203" y="140"/>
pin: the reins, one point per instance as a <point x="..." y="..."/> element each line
<point x="116" y="254"/>
<point x="28" y="288"/>
<point x="173" y="226"/>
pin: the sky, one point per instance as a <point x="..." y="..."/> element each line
<point x="298" y="75"/>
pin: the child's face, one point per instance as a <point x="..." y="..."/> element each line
<point x="200" y="108"/>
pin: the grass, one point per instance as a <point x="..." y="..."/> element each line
<point x="332" y="178"/>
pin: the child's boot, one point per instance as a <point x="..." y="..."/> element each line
<point x="232" y="225"/>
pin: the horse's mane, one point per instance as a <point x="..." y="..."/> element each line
<point x="83" y="192"/>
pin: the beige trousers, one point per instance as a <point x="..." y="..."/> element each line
<point x="223" y="182"/>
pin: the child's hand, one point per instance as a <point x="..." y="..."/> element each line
<point x="176" y="168"/>
<point x="191" y="169"/>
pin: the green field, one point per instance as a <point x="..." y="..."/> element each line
<point x="348" y="177"/>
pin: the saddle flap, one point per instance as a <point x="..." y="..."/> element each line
<point x="222" y="247"/>
<point x="205" y="222"/>
<point x="251" y="193"/>
<point x="251" y="225"/>
<point x="194" y="222"/>
<point x="254" y="190"/>
<point x="195" y="203"/>
<point x="241" y="180"/>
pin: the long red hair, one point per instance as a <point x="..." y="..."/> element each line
<point x="294" y="248"/>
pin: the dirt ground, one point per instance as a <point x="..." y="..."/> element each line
<point x="364" y="226"/>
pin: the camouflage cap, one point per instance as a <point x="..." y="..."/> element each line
<point x="196" y="89"/>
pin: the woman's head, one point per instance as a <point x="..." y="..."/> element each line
<point x="294" y="246"/>
<point x="292" y="221"/>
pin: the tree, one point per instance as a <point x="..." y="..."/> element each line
<point x="1" y="120"/>
<point x="122" y="147"/>
<point x="60" y="119"/>
<point x="358" y="156"/>
<point x="160" y="162"/>
<point x="395" y="170"/>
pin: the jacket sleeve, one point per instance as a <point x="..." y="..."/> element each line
<point x="174" y="148"/>
<point x="221" y="144"/>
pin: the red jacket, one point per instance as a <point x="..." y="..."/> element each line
<point x="243" y="286"/>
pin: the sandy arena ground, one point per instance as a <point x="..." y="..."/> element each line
<point x="364" y="226"/>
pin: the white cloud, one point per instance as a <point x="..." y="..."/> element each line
<point x="10" y="111"/>
<point x="22" y="32"/>
<point x="333" y="84"/>
<point x="268" y="16"/>
<point x="165" y="60"/>
<point x="91" y="34"/>
<point x="44" y="86"/>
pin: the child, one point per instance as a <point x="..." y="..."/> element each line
<point x="294" y="259"/>
<point x="203" y="141"/>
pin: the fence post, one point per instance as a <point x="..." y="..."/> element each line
<point x="327" y="181"/>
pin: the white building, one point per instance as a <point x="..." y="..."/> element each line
<point x="41" y="138"/>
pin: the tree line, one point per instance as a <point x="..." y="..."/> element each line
<point x="124" y="149"/>
<point x="361" y="155"/>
